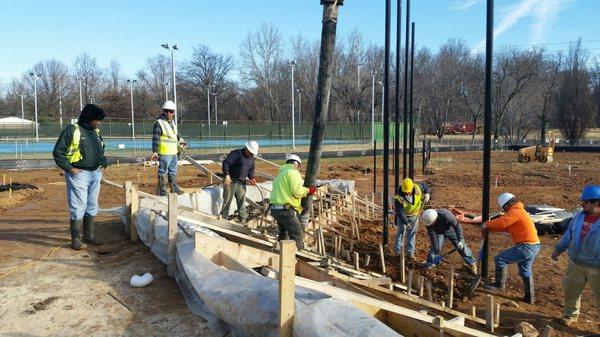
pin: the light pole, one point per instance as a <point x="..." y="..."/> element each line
<point x="373" y="74"/>
<point x="166" y="91"/>
<point x="131" y="82"/>
<point x="292" y="64"/>
<point x="22" y="108"/>
<point x="173" y="49"/>
<point x="216" y="111"/>
<point x="80" y="96"/>
<point x="35" y="76"/>
<point x="382" y="94"/>
<point x="299" y="91"/>
<point x="358" y="93"/>
<point x="208" y="107"/>
<point x="60" y="108"/>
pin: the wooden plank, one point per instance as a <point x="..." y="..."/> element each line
<point x="287" y="268"/>
<point x="128" y="186"/>
<point x="172" y="235"/>
<point x="451" y="289"/>
<point x="548" y="331"/>
<point x="489" y="312"/>
<point x="382" y="259"/>
<point x="233" y="264"/>
<point x="133" y="212"/>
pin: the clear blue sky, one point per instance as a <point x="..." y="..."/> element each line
<point x="131" y="31"/>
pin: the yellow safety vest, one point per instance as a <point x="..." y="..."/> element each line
<point x="73" y="152"/>
<point x="168" y="139"/>
<point x="414" y="208"/>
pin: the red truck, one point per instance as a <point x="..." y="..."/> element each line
<point x="459" y="128"/>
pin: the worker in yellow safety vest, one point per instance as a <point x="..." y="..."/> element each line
<point x="79" y="151"/>
<point x="166" y="144"/>
<point x="408" y="204"/>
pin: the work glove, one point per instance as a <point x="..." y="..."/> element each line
<point x="252" y="182"/>
<point x="227" y="180"/>
<point x="460" y="246"/>
<point x="154" y="156"/>
<point x="312" y="190"/>
<point x="555" y="255"/>
<point x="426" y="198"/>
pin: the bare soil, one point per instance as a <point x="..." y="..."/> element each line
<point x="87" y="292"/>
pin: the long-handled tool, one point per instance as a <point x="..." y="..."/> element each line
<point x="477" y="278"/>
<point x="438" y="259"/>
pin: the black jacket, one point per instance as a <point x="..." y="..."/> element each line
<point x="445" y="221"/>
<point x="238" y="167"/>
<point x="90" y="145"/>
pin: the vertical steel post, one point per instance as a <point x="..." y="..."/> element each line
<point x="386" y="123"/>
<point x="397" y="119"/>
<point x="405" y="116"/>
<point x="411" y="164"/>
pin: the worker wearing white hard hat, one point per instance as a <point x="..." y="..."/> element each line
<point x="517" y="222"/>
<point x="287" y="192"/>
<point x="441" y="225"/>
<point x="166" y="145"/>
<point x="238" y="170"/>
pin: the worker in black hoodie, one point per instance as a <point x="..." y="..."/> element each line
<point x="79" y="151"/>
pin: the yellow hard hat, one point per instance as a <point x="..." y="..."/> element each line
<point x="407" y="185"/>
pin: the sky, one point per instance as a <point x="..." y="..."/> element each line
<point x="132" y="31"/>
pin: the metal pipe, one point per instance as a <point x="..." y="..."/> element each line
<point x="373" y="108"/>
<point x="412" y="112"/>
<point x="292" y="64"/>
<point x="386" y="123"/>
<point x="487" y="132"/>
<point x="397" y="119"/>
<point x="405" y="116"/>
<point x="174" y="81"/>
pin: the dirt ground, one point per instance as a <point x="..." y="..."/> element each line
<point x="96" y="299"/>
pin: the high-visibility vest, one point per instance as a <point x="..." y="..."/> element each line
<point x="413" y="208"/>
<point x="168" y="139"/>
<point x="73" y="152"/>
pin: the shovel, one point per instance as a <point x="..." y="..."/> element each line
<point x="477" y="278"/>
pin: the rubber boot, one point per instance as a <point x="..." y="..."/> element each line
<point x="529" y="291"/>
<point x="173" y="184"/>
<point x="500" y="281"/>
<point x="162" y="185"/>
<point x="88" y="231"/>
<point x="76" y="235"/>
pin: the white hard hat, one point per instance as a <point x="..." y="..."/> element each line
<point x="504" y="198"/>
<point x="169" y="105"/>
<point x="252" y="146"/>
<point x="294" y="158"/>
<point x="429" y="216"/>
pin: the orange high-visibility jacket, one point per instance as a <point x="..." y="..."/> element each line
<point x="517" y="222"/>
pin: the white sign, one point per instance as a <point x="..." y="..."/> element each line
<point x="121" y="146"/>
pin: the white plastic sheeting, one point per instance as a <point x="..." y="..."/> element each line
<point x="240" y="304"/>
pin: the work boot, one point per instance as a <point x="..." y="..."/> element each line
<point x="76" y="235"/>
<point x="173" y="184"/>
<point x="88" y="231"/>
<point x="410" y="257"/>
<point x="569" y="320"/>
<point x="473" y="268"/>
<point x="500" y="281"/>
<point x="162" y="185"/>
<point x="529" y="292"/>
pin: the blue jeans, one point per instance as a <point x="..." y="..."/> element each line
<point x="167" y="165"/>
<point x="413" y="223"/>
<point x="82" y="193"/>
<point x="465" y="253"/>
<point x="522" y="254"/>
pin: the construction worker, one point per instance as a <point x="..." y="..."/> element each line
<point x="238" y="169"/>
<point x="285" y="200"/>
<point x="441" y="225"/>
<point x="79" y="151"/>
<point x="582" y="240"/>
<point x="165" y="146"/>
<point x="517" y="222"/>
<point x="408" y="204"/>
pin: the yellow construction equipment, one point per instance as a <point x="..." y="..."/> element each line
<point x="543" y="154"/>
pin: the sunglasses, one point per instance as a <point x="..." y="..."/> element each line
<point x="170" y="111"/>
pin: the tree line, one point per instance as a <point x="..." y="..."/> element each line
<point x="533" y="89"/>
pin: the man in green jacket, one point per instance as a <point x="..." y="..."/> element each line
<point x="287" y="192"/>
<point x="79" y="151"/>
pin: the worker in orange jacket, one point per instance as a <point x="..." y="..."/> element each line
<point x="517" y="222"/>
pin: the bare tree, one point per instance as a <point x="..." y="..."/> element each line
<point x="153" y="79"/>
<point x="90" y="75"/>
<point x="595" y="78"/>
<point x="519" y="122"/>
<point x="546" y="92"/>
<point x="575" y="106"/>
<point x="472" y="89"/>
<point x="262" y="66"/>
<point x="52" y="84"/>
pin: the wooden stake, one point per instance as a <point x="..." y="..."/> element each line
<point x="128" y="198"/>
<point x="382" y="259"/>
<point x="420" y="282"/>
<point x="287" y="272"/>
<point x="489" y="312"/>
<point x="497" y="315"/>
<point x="172" y="241"/>
<point x="474" y="311"/>
<point x="443" y="303"/>
<point x="451" y="288"/>
<point x="409" y="283"/>
<point x="429" y="292"/>
<point x="336" y="251"/>
<point x="356" y="261"/>
<point x="134" y="208"/>
<point x="367" y="260"/>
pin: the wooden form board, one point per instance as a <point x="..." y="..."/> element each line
<point x="287" y="271"/>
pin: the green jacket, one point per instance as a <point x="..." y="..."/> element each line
<point x="90" y="145"/>
<point x="287" y="188"/>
